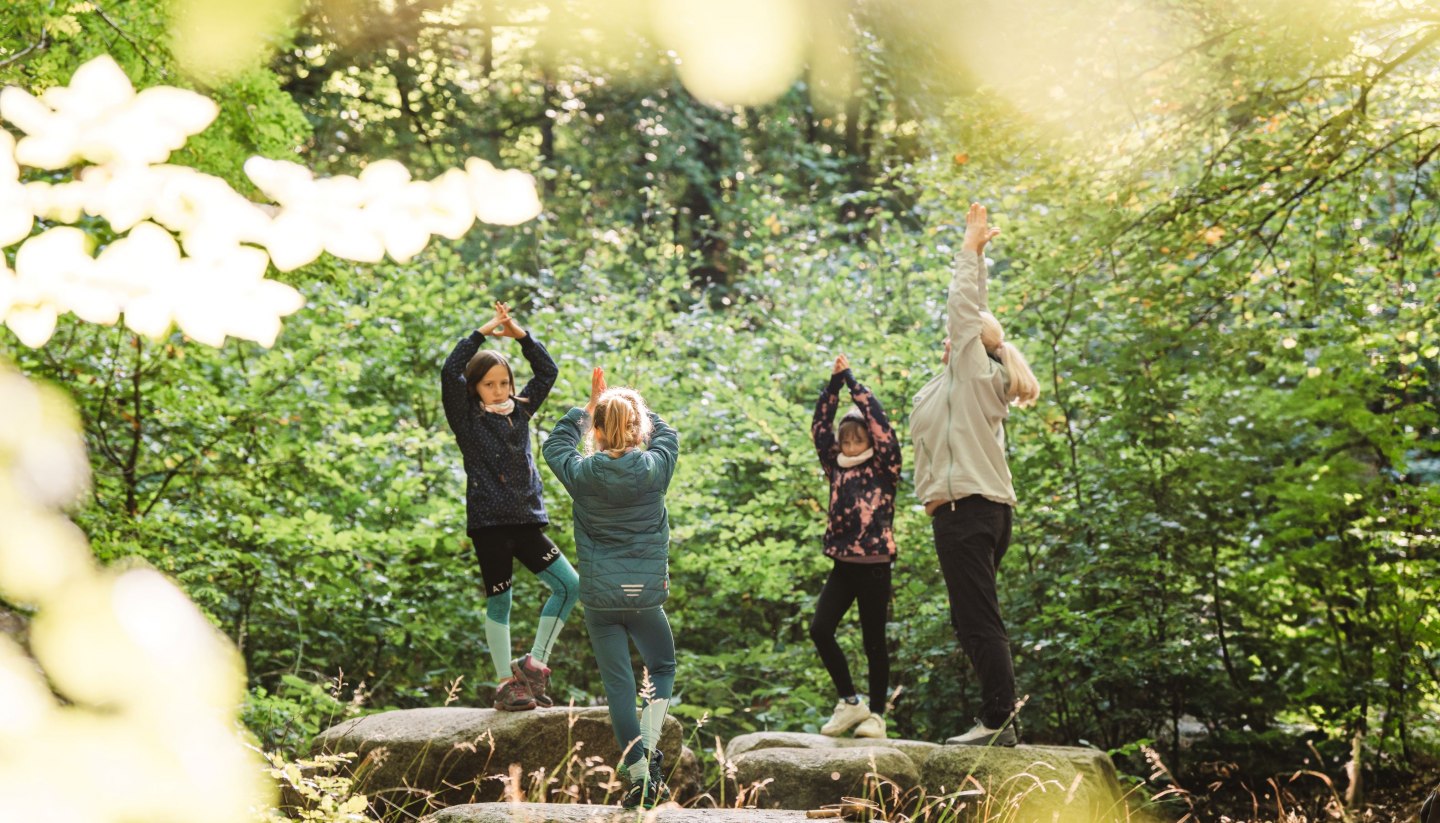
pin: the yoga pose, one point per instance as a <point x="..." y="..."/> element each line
<point x="505" y="515"/>
<point x="863" y="467"/>
<point x="622" y="539"/>
<point x="958" y="424"/>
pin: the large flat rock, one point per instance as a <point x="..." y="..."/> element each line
<point x="1027" y="783"/>
<point x="554" y="813"/>
<point x="808" y="778"/>
<point x="421" y="759"/>
<point x="916" y="750"/>
<point x="1021" y="784"/>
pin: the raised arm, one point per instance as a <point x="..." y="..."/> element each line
<point x="544" y="372"/>
<point x="453" y="390"/>
<point x="664" y="450"/>
<point x="882" y="434"/>
<point x="561" y="448"/>
<point x="822" y="427"/>
<point x="969" y="295"/>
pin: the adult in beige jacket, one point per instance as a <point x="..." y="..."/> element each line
<point x="961" y="475"/>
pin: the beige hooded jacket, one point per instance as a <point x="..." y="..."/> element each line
<point x="958" y="418"/>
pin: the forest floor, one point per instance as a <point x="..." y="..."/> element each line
<point x="1390" y="797"/>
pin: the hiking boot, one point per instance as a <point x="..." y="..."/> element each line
<point x="648" y="790"/>
<point x="983" y="735"/>
<point x="847" y="715"/>
<point x="513" y="696"/>
<point x="872" y="726"/>
<point x="536" y="676"/>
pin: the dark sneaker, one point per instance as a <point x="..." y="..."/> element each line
<point x="657" y="776"/>
<point x="982" y="735"/>
<point x="649" y="790"/>
<point x="536" y="676"/>
<point x="514" y="696"/>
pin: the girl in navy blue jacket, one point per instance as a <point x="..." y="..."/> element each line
<point x="505" y="514"/>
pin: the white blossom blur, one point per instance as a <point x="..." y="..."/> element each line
<point x="194" y="253"/>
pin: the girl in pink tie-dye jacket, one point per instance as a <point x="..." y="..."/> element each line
<point x="862" y="464"/>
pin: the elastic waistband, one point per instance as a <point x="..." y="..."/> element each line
<point x="970" y="501"/>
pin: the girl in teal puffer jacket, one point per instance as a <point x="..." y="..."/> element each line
<point x="622" y="539"/>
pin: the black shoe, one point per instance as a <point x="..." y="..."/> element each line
<point x="657" y="775"/>
<point x="650" y="791"/>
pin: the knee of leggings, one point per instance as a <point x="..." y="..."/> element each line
<point x="497" y="607"/>
<point x="821" y="632"/>
<point x="665" y="669"/>
<point x="560" y="575"/>
<point x="562" y="580"/>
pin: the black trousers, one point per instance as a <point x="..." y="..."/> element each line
<point x="868" y="583"/>
<point x="971" y="536"/>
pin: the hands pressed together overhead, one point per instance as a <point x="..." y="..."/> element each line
<point x="841" y="364"/>
<point x="502" y="325"/>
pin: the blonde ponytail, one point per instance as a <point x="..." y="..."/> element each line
<point x="622" y="421"/>
<point x="1024" y="388"/>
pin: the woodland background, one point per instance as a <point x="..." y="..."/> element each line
<point x="1219" y="253"/>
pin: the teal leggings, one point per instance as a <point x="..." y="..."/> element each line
<point x="610" y="636"/>
<point x="564" y="584"/>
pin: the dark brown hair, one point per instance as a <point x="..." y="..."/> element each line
<point x="853" y="419"/>
<point x="481" y="364"/>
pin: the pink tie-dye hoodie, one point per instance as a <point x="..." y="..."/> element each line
<point x="862" y="498"/>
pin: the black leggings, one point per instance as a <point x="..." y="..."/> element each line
<point x="498" y="547"/>
<point x="971" y="536"/>
<point x="870" y="584"/>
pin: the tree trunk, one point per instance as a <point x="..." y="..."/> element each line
<point x="1354" y="770"/>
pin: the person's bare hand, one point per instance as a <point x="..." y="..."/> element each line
<point x="492" y="327"/>
<point x="508" y="326"/>
<point x="978" y="230"/>
<point x="597" y="388"/>
<point x="841" y="364"/>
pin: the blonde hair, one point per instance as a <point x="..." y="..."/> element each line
<point x="622" y="420"/>
<point x="1024" y="389"/>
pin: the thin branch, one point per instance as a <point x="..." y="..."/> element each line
<point x="43" y="42"/>
<point x="124" y="35"/>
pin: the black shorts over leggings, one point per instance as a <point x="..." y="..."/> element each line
<point x="498" y="547"/>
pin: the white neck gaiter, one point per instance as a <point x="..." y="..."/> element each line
<point x="501" y="408"/>
<point x="852" y="462"/>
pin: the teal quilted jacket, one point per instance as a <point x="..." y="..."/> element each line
<point x="622" y="531"/>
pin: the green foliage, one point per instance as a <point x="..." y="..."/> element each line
<point x="1228" y="491"/>
<point x="288" y="719"/>
<point x="45" y="42"/>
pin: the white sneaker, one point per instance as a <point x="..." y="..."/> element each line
<point x="846" y="716"/>
<point x="982" y="735"/>
<point x="872" y="726"/>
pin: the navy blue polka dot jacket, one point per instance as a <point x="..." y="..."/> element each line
<point x="502" y="483"/>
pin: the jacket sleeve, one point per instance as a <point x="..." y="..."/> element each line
<point x="664" y="450"/>
<point x="822" y="427"/>
<point x="453" y="390"/>
<point x="882" y="434"/>
<point x="968" y="297"/>
<point x="542" y="366"/>
<point x="561" y="448"/>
